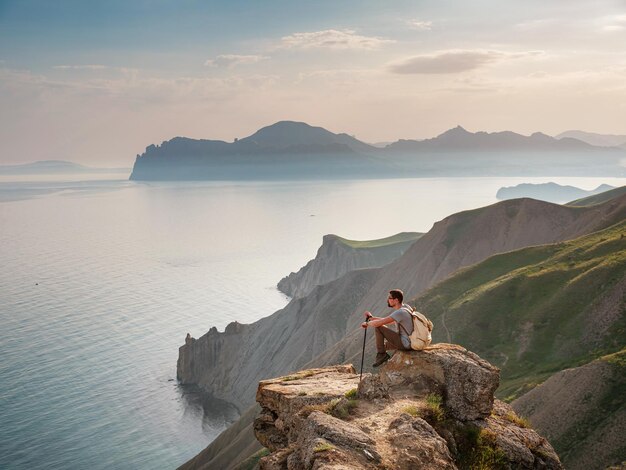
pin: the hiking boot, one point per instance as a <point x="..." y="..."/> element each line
<point x="381" y="358"/>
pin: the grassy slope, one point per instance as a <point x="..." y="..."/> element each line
<point x="598" y="198"/>
<point x="524" y="310"/>
<point x="581" y="411"/>
<point x="398" y="238"/>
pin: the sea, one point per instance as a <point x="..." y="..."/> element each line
<point x="101" y="278"/>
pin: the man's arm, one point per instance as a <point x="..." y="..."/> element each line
<point x="375" y="322"/>
<point x="368" y="315"/>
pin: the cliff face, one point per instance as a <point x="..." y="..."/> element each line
<point x="431" y="409"/>
<point x="322" y="328"/>
<point x="338" y="256"/>
<point x="228" y="365"/>
<point x="581" y="410"/>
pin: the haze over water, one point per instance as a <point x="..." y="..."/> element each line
<point x="102" y="279"/>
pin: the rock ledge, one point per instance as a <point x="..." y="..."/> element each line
<point x="431" y="409"/>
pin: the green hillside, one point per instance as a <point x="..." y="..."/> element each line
<point x="401" y="237"/>
<point x="598" y="198"/>
<point x="537" y="310"/>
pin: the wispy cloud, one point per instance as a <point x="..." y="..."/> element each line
<point x="614" y="23"/>
<point x="420" y="25"/>
<point x="81" y="67"/>
<point x="232" y="60"/>
<point x="453" y="61"/>
<point x="333" y="39"/>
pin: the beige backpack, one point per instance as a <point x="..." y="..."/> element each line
<point x="422" y="328"/>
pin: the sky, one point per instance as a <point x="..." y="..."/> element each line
<point x="95" y="82"/>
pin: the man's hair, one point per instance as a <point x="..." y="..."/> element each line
<point x="397" y="294"/>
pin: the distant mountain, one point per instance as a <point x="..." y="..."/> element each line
<point x="46" y="167"/>
<point x="296" y="150"/>
<point x="600" y="140"/>
<point x="286" y="134"/>
<point x="598" y="198"/>
<point x="285" y="149"/>
<point x="550" y="192"/>
<point x="458" y="139"/>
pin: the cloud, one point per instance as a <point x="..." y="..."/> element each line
<point x="614" y="23"/>
<point x="420" y="25"/>
<point x="232" y="60"/>
<point x="81" y="67"/>
<point x="333" y="39"/>
<point x="453" y="61"/>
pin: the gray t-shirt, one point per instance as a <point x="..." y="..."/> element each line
<point x="406" y="319"/>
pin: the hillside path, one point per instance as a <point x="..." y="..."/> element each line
<point x="443" y="323"/>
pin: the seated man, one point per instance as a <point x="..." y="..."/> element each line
<point x="395" y="340"/>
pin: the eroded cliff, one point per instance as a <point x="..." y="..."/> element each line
<point x="337" y="256"/>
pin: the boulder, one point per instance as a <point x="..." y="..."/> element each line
<point x="371" y="388"/>
<point x="283" y="398"/>
<point x="418" y="446"/>
<point x="518" y="442"/>
<point x="464" y="380"/>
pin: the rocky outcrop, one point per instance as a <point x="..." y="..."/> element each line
<point x="316" y="419"/>
<point x="464" y="380"/>
<point x="337" y="256"/>
<point x="581" y="410"/>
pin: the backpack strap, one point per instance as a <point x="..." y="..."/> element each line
<point x="407" y="309"/>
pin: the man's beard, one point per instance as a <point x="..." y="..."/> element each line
<point x="388" y="303"/>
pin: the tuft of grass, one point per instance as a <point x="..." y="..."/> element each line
<point x="521" y="422"/>
<point x="351" y="394"/>
<point x="487" y="455"/>
<point x="435" y="408"/>
<point x="324" y="446"/>
<point x="617" y="359"/>
<point x="298" y="376"/>
<point x="305" y="411"/>
<point x="411" y="410"/>
<point x="342" y="407"/>
<point x="480" y="451"/>
<point x="339" y="408"/>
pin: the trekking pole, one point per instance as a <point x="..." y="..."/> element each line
<point x="363" y="353"/>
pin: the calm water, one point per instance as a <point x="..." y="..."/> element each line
<point x="101" y="279"/>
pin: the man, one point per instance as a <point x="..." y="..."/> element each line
<point x="400" y="316"/>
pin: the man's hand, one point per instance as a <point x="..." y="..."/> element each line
<point x="368" y="315"/>
<point x="364" y="324"/>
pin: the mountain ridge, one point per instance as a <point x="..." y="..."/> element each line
<point x="289" y="149"/>
<point x="593" y="138"/>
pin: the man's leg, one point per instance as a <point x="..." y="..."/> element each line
<point x="393" y="339"/>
